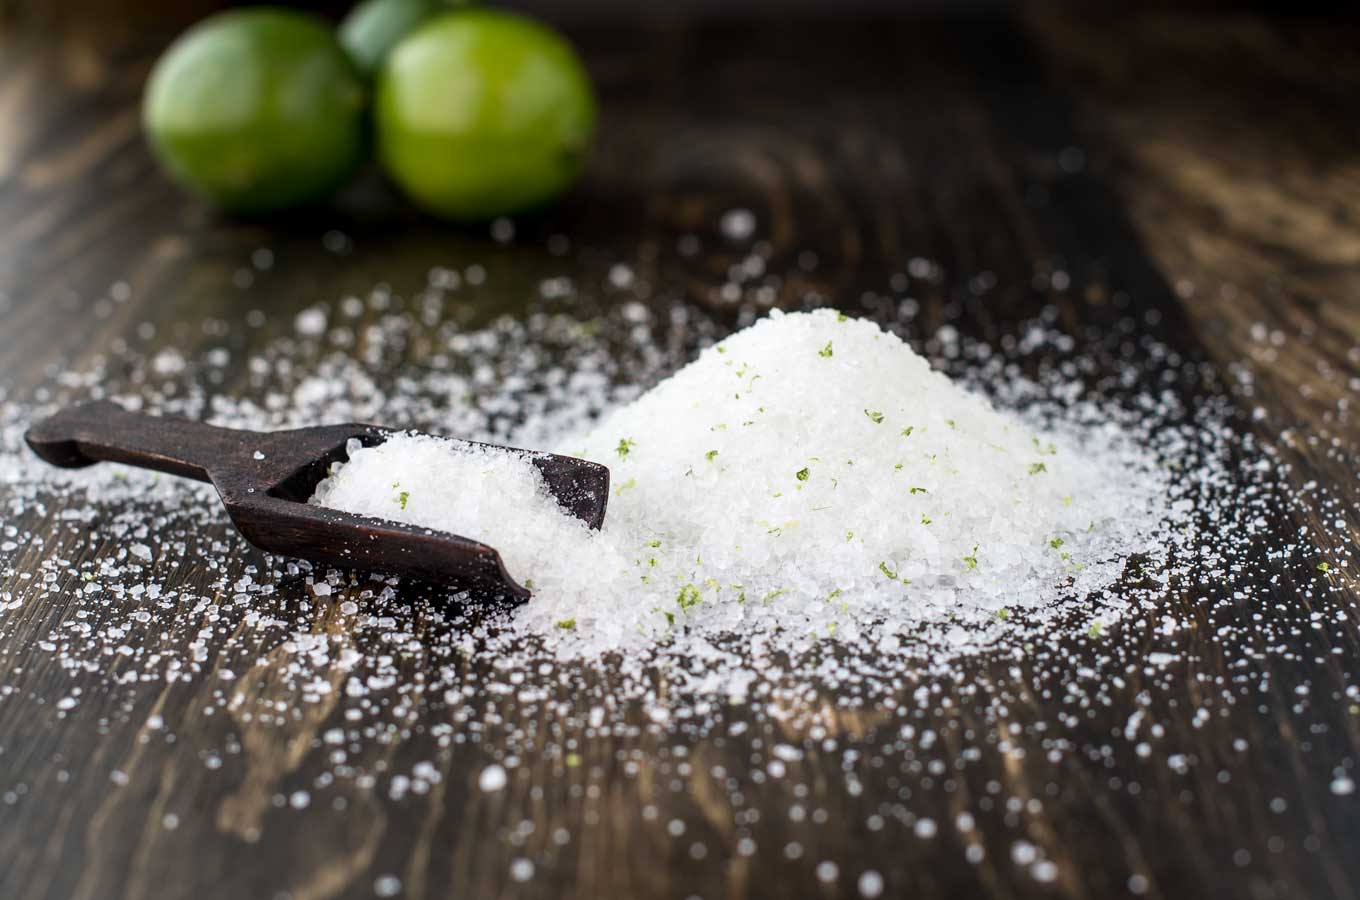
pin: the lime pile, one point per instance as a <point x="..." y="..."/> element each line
<point x="473" y="113"/>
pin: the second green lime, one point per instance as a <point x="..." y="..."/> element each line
<point x="481" y="113"/>
<point x="373" y="27"/>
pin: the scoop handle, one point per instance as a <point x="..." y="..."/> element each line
<point x="88" y="433"/>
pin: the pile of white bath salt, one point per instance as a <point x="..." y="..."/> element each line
<point x="810" y="475"/>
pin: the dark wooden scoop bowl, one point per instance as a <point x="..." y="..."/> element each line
<point x="265" y="479"/>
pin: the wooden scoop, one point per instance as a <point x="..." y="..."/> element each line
<point x="265" y="479"/>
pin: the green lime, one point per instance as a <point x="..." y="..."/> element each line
<point x="256" y="110"/>
<point x="374" y="27"/>
<point x="483" y="113"/>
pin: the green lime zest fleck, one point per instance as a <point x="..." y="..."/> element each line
<point x="825" y="351"/>
<point x="653" y="543"/>
<point x="1036" y="468"/>
<point x="403" y="497"/>
<point x="688" y="596"/>
<point x="566" y="624"/>
<point x="1002" y="613"/>
<point x="926" y="521"/>
<point x="918" y="490"/>
<point x="971" y="559"/>
<point x="883" y="567"/>
<point x="801" y="474"/>
<point x="1056" y="543"/>
<point x="874" y="416"/>
<point x="711" y="455"/>
<point x="1324" y="568"/>
<point x="906" y="432"/>
<point x="625" y="447"/>
<point x="1094" y="630"/>
<point x="626" y="486"/>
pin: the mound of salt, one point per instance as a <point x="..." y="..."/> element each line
<point x="810" y="473"/>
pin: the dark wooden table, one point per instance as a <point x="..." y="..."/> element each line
<point x="1200" y="173"/>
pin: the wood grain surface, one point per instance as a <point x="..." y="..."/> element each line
<point x="1196" y="175"/>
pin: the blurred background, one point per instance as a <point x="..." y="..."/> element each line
<point x="66" y="13"/>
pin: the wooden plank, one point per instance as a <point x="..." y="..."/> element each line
<point x="863" y="145"/>
<point x="1230" y="141"/>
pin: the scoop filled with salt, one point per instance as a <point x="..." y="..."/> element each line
<point x="264" y="479"/>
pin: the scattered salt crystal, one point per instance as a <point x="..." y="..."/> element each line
<point x="870" y="884"/>
<point x="310" y="322"/>
<point x="738" y="224"/>
<point x="1044" y="871"/>
<point x="521" y="869"/>
<point x="168" y="362"/>
<point x="502" y="230"/>
<point x="492" y="778"/>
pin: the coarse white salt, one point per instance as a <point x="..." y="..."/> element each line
<point x="310" y="322"/>
<point x="809" y="474"/>
<point x="489" y="495"/>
